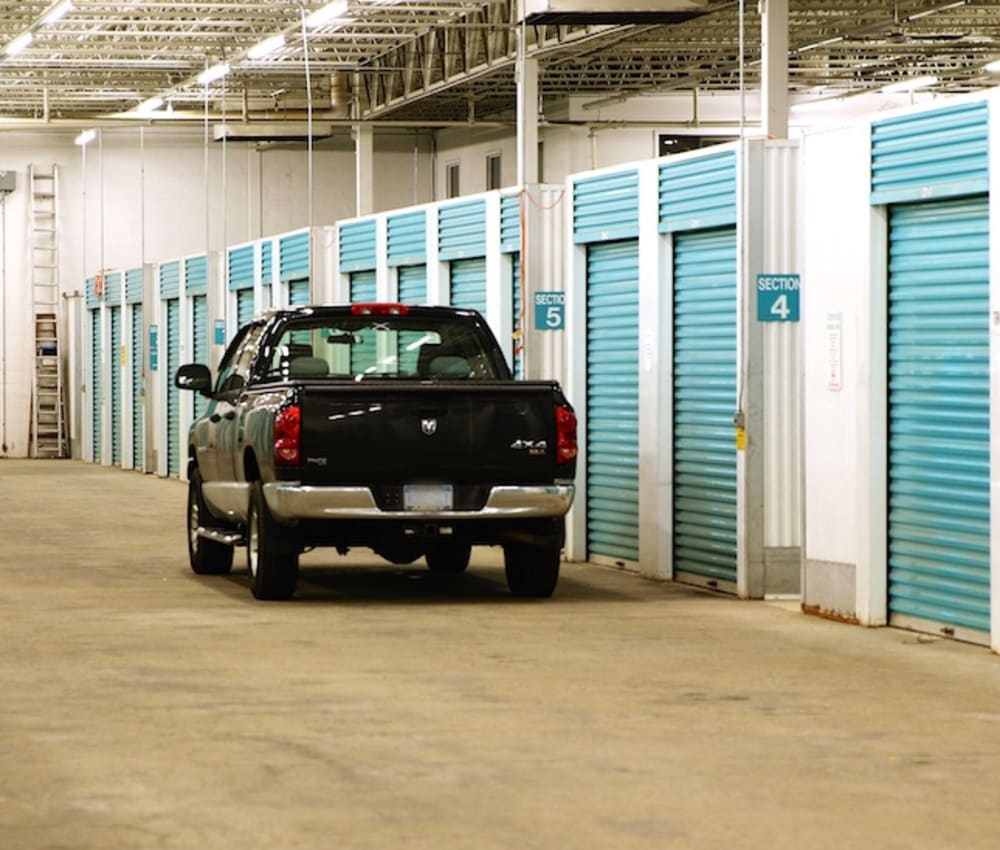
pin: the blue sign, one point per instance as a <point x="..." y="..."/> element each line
<point x="550" y="311"/>
<point x="154" y="348"/>
<point x="220" y="331"/>
<point x="777" y="298"/>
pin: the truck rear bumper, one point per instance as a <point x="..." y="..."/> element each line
<point x="290" y="501"/>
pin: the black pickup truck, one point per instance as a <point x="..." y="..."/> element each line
<point x="393" y="427"/>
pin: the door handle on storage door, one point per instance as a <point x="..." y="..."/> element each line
<point x="230" y="414"/>
<point x="214" y="418"/>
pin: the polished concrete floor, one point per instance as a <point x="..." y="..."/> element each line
<point x="144" y="707"/>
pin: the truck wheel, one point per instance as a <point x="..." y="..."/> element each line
<point x="532" y="571"/>
<point x="450" y="556"/>
<point x="272" y="560"/>
<point x="207" y="557"/>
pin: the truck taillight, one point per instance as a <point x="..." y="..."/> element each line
<point x="566" y="449"/>
<point x="287" y="436"/>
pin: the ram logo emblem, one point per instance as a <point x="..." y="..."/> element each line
<point x="429" y="426"/>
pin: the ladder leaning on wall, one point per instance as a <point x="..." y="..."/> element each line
<point x="48" y="410"/>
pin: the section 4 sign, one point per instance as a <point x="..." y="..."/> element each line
<point x="777" y="298"/>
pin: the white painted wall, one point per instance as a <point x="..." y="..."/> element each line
<point x="143" y="196"/>
<point x="837" y="227"/>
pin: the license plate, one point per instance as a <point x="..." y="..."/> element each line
<point x="428" y="497"/>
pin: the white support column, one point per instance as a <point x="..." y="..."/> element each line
<point x="774" y="82"/>
<point x="527" y="115"/>
<point x="364" y="169"/>
<point x="655" y="344"/>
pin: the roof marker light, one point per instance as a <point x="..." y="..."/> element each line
<point x="386" y="309"/>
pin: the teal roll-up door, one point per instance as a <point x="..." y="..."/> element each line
<point x="613" y="400"/>
<point x="407" y="239"/>
<point x="516" y="314"/>
<point x="704" y="447"/>
<point x="462" y="230"/>
<point x="468" y="284"/>
<point x="116" y="385"/>
<point x="363" y="291"/>
<point x="939" y="425"/>
<point x="267" y="262"/>
<point x="298" y="292"/>
<point x="412" y="284"/>
<point x="244" y="306"/>
<point x="136" y="361"/>
<point x="239" y="268"/>
<point x="173" y="306"/>
<point x="95" y="383"/>
<point x="412" y="289"/>
<point x="293" y="256"/>
<point x="199" y="343"/>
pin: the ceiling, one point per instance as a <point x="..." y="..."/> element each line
<point x="439" y="61"/>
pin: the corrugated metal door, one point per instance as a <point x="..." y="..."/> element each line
<point x="363" y="292"/>
<point x="138" y="432"/>
<point x="704" y="447"/>
<point x="613" y="400"/>
<point x="293" y="256"/>
<point x="95" y="383"/>
<point x="939" y="428"/>
<point x="468" y="284"/>
<point x="244" y="306"/>
<point x="298" y="292"/>
<point x="516" y="313"/>
<point x="199" y="347"/>
<point x="173" y="306"/>
<point x="412" y="284"/>
<point x="412" y="290"/>
<point x="116" y="385"/>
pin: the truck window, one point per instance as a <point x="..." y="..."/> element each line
<point x="397" y="347"/>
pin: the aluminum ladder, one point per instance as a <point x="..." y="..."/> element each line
<point x="48" y="422"/>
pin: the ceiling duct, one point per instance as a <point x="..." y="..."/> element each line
<point x="340" y="95"/>
<point x="272" y="131"/>
<point x="560" y="12"/>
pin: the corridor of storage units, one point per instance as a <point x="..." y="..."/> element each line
<point x="778" y="349"/>
<point x="832" y="445"/>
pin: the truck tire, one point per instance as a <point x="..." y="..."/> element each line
<point x="450" y="556"/>
<point x="532" y="571"/>
<point x="273" y="561"/>
<point x="207" y="557"/>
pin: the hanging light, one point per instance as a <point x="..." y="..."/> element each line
<point x="85" y="138"/>
<point x="216" y="72"/>
<point x="19" y="43"/>
<point x="266" y="47"/>
<point x="57" y="12"/>
<point x="326" y="14"/>
<point x="149" y="106"/>
<point x="911" y="84"/>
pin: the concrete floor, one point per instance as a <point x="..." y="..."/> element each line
<point x="144" y="707"/>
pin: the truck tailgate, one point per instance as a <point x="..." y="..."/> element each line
<point x="382" y="432"/>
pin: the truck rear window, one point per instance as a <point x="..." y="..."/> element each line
<point x="362" y="347"/>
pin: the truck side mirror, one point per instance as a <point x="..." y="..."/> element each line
<point x="194" y="376"/>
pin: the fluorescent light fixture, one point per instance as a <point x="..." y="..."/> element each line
<point x="993" y="67"/>
<point x="911" y="85"/>
<point x="86" y="137"/>
<point x="149" y="106"/>
<point x="19" y="43"/>
<point x="216" y="72"/>
<point x="57" y="12"/>
<point x="326" y="14"/>
<point x="266" y="47"/>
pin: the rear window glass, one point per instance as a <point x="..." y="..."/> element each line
<point x="363" y="347"/>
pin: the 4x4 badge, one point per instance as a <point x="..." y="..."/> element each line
<point x="428" y="426"/>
